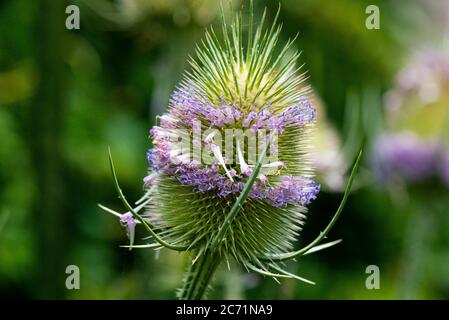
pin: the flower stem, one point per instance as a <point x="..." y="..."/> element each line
<point x="199" y="276"/>
<point x="417" y="239"/>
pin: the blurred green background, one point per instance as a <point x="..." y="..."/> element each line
<point x="66" y="95"/>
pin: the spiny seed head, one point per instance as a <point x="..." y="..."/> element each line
<point x="240" y="95"/>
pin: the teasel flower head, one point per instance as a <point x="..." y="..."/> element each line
<point x="230" y="175"/>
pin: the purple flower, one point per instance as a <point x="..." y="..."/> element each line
<point x="228" y="114"/>
<point x="186" y="107"/>
<point x="128" y="220"/>
<point x="405" y="157"/>
<point x="301" y="113"/>
<point x="293" y="191"/>
<point x="129" y="223"/>
<point x="249" y="119"/>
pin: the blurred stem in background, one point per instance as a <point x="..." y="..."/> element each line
<point x="417" y="239"/>
<point x="45" y="124"/>
<point x="233" y="284"/>
<point x="169" y="67"/>
<point x="3" y="218"/>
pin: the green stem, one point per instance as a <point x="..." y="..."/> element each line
<point x="199" y="276"/>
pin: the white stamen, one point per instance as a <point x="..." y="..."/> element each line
<point x="244" y="168"/>
<point x="184" y="158"/>
<point x="274" y="164"/>
<point x="208" y="139"/>
<point x="174" y="152"/>
<point x="168" y="118"/>
<point x="217" y="153"/>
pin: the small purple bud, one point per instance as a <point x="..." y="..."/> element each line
<point x="128" y="221"/>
